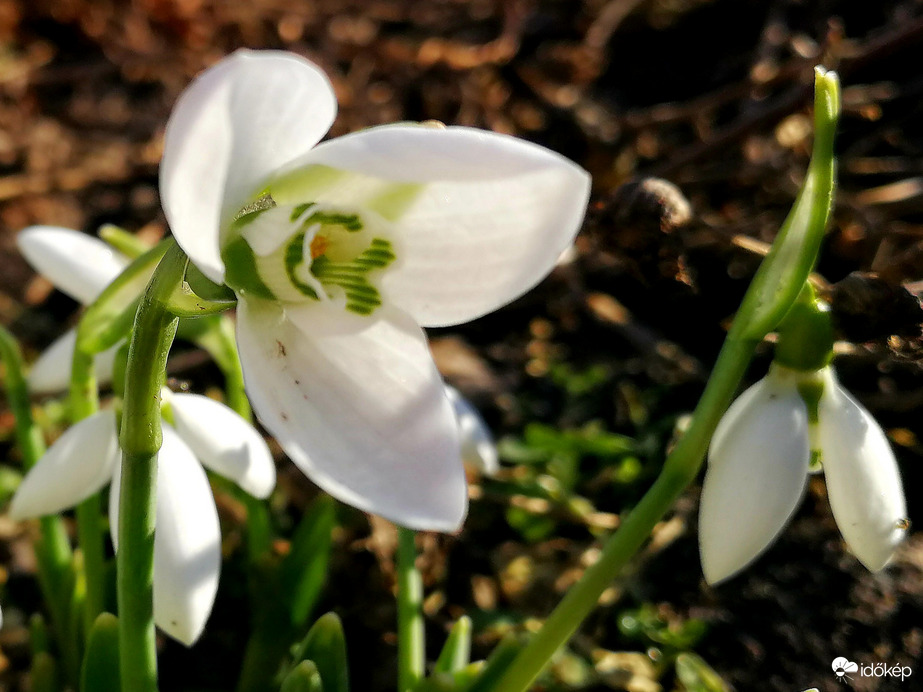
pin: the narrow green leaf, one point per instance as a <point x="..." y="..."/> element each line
<point x="108" y="319"/>
<point x="697" y="676"/>
<point x="127" y="243"/>
<point x="100" y="672"/>
<point x="38" y="634"/>
<point x="326" y="646"/>
<point x="498" y="662"/>
<point x="44" y="674"/>
<point x="456" y="653"/>
<point x="303" y="678"/>
<point x="303" y="572"/>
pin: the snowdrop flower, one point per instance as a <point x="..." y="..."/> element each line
<point x="478" y="449"/>
<point x="80" y="266"/>
<point x="187" y="544"/>
<point x="759" y="460"/>
<point x="340" y="252"/>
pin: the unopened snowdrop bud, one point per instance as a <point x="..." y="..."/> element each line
<point x="764" y="446"/>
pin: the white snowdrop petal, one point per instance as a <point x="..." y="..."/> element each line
<point x="51" y="371"/>
<point x="362" y="413"/>
<point x="77" y="264"/>
<point x="477" y="444"/>
<point x="757" y="472"/>
<point x="77" y="465"/>
<point x="863" y="480"/>
<point x="233" y="126"/>
<point x="187" y="542"/>
<point x="489" y="220"/>
<point x="224" y="442"/>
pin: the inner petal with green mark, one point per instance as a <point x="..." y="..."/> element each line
<point x="309" y="252"/>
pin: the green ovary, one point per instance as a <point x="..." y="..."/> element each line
<point x="328" y="254"/>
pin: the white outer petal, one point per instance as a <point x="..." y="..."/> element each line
<point x="225" y="442"/>
<point x="362" y="413"/>
<point x="492" y="216"/>
<point x="234" y="125"/>
<point x="77" y="264"/>
<point x="863" y="481"/>
<point x="51" y="371"/>
<point x="77" y="465"/>
<point x="757" y="472"/>
<point x="187" y="542"/>
<point x="477" y="444"/>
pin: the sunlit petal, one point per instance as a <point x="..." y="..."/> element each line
<point x="77" y="465"/>
<point x="489" y="221"/>
<point x="224" y="442"/>
<point x="77" y="264"/>
<point x="757" y="471"/>
<point x="863" y="481"/>
<point x="477" y="444"/>
<point x="235" y="124"/>
<point x="363" y="414"/>
<point x="50" y="372"/>
<point x="187" y="542"/>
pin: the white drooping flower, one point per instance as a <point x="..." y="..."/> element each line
<point x="478" y="449"/>
<point x="340" y="252"/>
<point x="758" y="464"/>
<point x="187" y="544"/>
<point x="80" y="266"/>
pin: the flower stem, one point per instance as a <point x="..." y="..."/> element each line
<point x="54" y="559"/>
<point x="84" y="402"/>
<point x="411" y="641"/>
<point x="774" y="290"/>
<point x="140" y="437"/>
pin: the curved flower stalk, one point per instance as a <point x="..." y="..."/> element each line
<point x="478" y="450"/>
<point x="340" y="252"/>
<point x="759" y="460"/>
<point x="80" y="266"/>
<point x="187" y="545"/>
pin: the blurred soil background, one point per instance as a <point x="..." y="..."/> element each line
<point x="583" y="381"/>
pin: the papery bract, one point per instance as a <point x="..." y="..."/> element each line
<point x="340" y="252"/>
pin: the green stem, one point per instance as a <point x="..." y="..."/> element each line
<point x="54" y="559"/>
<point x="411" y="640"/>
<point x="84" y="402"/>
<point x="140" y="437"/>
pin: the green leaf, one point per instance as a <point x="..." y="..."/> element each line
<point x="100" y="671"/>
<point x="44" y="674"/>
<point x="456" y="653"/>
<point x="109" y="318"/>
<point x="326" y="646"/>
<point x="304" y="570"/>
<point x="697" y="676"/>
<point x="303" y="678"/>
<point x="498" y="662"/>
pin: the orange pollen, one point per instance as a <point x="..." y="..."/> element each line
<point x="318" y="246"/>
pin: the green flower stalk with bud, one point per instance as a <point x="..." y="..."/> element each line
<point x="773" y="292"/>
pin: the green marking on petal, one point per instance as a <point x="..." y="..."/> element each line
<point x="241" y="272"/>
<point x="361" y="297"/>
<point x="294" y="257"/>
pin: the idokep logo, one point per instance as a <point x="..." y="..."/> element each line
<point x="842" y="667"/>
